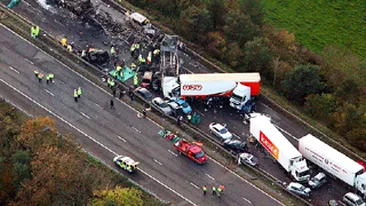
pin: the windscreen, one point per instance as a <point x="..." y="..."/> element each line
<point x="199" y="155"/>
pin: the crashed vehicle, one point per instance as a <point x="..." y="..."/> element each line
<point x="97" y="56"/>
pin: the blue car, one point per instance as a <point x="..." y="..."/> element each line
<point x="185" y="106"/>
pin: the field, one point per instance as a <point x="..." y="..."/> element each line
<point x="321" y="23"/>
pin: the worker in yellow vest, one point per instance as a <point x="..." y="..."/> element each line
<point x="40" y="76"/>
<point x="36" y="72"/>
<point x="135" y="81"/>
<point x="133" y="66"/>
<point x="64" y="41"/>
<point x="132" y="49"/>
<point x="75" y="95"/>
<point x="113" y="51"/>
<point x="69" y="48"/>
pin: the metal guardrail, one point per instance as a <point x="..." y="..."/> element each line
<point x="47" y="40"/>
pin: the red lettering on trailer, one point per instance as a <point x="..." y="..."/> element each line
<point x="192" y="87"/>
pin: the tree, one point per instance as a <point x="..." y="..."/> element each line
<point x="216" y="44"/>
<point x="37" y="133"/>
<point x="59" y="178"/>
<point x="347" y="117"/>
<point x="349" y="91"/>
<point x="119" y="197"/>
<point x="254" y="9"/>
<point x="302" y="81"/>
<point x="217" y="11"/>
<point x="195" y="23"/>
<point x="257" y="58"/>
<point x="357" y="137"/>
<point x="239" y="28"/>
<point x="233" y="55"/>
<point x="320" y="106"/>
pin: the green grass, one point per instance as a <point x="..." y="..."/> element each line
<point x="320" y="23"/>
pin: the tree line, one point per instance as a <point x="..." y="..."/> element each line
<point x="40" y="167"/>
<point x="330" y="87"/>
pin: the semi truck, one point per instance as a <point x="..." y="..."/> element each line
<point x="333" y="162"/>
<point x="239" y="87"/>
<point x="279" y="147"/>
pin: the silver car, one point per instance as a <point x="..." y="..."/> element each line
<point x="162" y="105"/>
<point x="352" y="199"/>
<point x="220" y="131"/>
<point x="317" y="181"/>
<point x="298" y="189"/>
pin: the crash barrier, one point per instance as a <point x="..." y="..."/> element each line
<point x="46" y="41"/>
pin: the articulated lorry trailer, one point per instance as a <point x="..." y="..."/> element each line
<point x="334" y="162"/>
<point x="279" y="147"/>
<point x="239" y="87"/>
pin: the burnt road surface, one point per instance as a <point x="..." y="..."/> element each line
<point x="60" y="22"/>
<point x="106" y="132"/>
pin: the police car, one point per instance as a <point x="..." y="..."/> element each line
<point x="126" y="163"/>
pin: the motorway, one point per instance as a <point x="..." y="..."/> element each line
<point x="59" y="22"/>
<point x="107" y="132"/>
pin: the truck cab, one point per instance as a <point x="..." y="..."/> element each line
<point x="192" y="151"/>
<point x="360" y="184"/>
<point x="299" y="170"/>
<point x="240" y="98"/>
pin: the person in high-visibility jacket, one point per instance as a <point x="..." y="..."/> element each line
<point x="36" y="72"/>
<point x="113" y="51"/>
<point x="51" y="77"/>
<point x="79" y="92"/>
<point x="64" y="42"/>
<point x="32" y="32"/>
<point x="132" y="49"/>
<point x="204" y="188"/>
<point x="40" y="76"/>
<point x="47" y="78"/>
<point x="133" y="66"/>
<point x="75" y="95"/>
<point x="69" y="48"/>
<point x="149" y="58"/>
<point x="141" y="59"/>
<point x="36" y="31"/>
<point x="118" y="68"/>
<point x="135" y="81"/>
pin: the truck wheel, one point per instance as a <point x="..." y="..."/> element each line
<point x="179" y="152"/>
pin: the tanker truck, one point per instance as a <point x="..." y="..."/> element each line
<point x="279" y="147"/>
<point x="333" y="162"/>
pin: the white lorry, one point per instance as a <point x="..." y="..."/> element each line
<point x="279" y="147"/>
<point x="334" y="162"/>
<point x="239" y="87"/>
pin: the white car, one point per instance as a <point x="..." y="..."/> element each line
<point x="352" y="199"/>
<point x="298" y="189"/>
<point x="248" y="159"/>
<point x="220" y="131"/>
<point x="162" y="105"/>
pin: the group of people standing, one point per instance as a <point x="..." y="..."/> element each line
<point x="215" y="191"/>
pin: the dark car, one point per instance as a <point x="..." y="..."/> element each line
<point x="144" y="93"/>
<point x="235" y="145"/>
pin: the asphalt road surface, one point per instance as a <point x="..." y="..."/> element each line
<point x="106" y="132"/>
<point x="59" y="22"/>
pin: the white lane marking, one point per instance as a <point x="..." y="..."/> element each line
<point x="121" y="138"/>
<point x="82" y="113"/>
<point x="209" y="176"/>
<point x="133" y="109"/>
<point x="16" y="71"/>
<point x="248" y="201"/>
<point x="240" y="177"/>
<point x="99" y="106"/>
<point x="195" y="186"/>
<point x="49" y="92"/>
<point x="28" y="59"/>
<point x="286" y="132"/>
<point x="94" y="140"/>
<point x="138" y="131"/>
<point x="172" y="153"/>
<point x="159" y="163"/>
